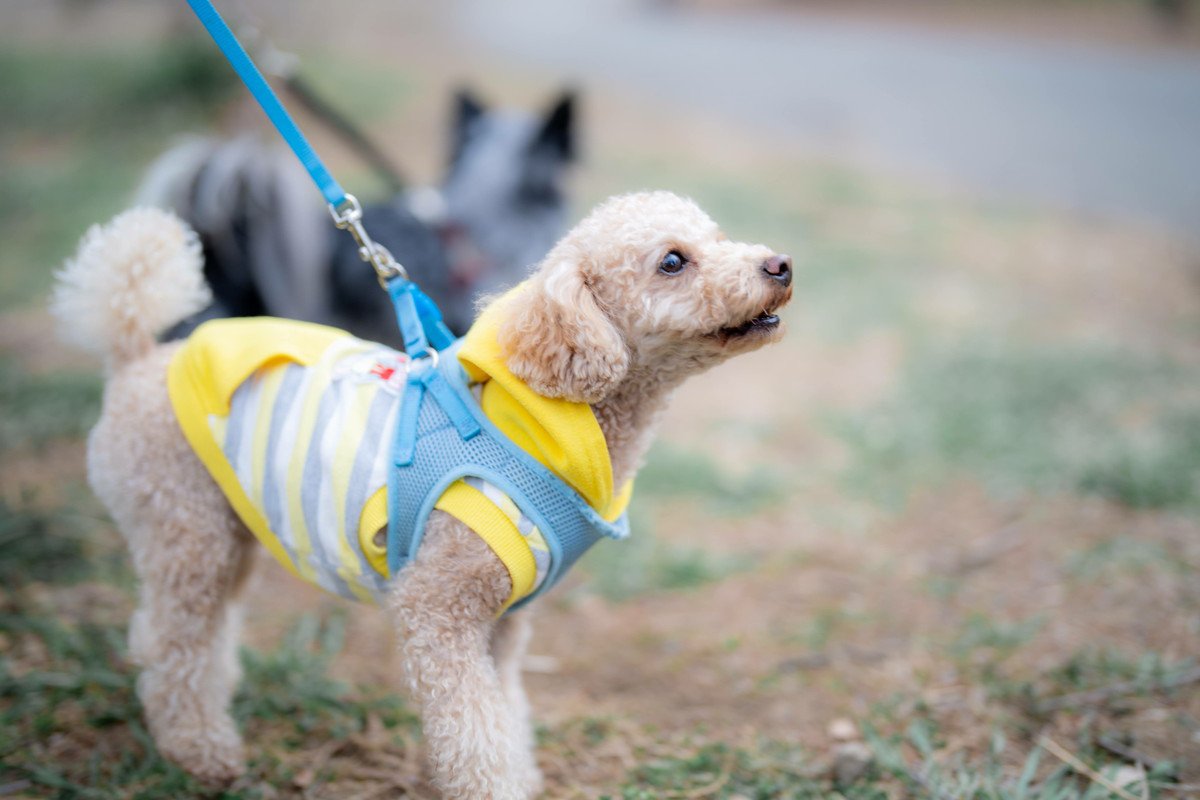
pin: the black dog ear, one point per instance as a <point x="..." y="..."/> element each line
<point x="558" y="129"/>
<point x="466" y="106"/>
<point x="467" y="109"/>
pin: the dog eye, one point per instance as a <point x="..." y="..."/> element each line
<point x="672" y="263"/>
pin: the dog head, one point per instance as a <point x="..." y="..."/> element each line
<point x="646" y="284"/>
<point x="506" y="185"/>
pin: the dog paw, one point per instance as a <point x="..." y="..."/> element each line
<point x="533" y="782"/>
<point x="213" y="763"/>
<point x="530" y="777"/>
<point x="493" y="786"/>
<point x="218" y="769"/>
<point x="219" y="775"/>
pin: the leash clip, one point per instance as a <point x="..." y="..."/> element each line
<point x="347" y="215"/>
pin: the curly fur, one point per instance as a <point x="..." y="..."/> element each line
<point x="131" y="280"/>
<point x="560" y="341"/>
<point x="598" y="323"/>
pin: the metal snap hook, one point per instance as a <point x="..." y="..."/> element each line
<point x="347" y="215"/>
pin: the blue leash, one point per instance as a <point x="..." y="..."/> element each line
<point x="240" y="60"/>
<point x="420" y="320"/>
<point x="424" y="336"/>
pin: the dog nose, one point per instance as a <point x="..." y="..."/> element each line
<point x="779" y="268"/>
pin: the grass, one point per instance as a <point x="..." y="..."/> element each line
<point x="56" y="91"/>
<point x="644" y="563"/>
<point x="1103" y="666"/>
<point x="824" y="625"/>
<point x="916" y="761"/>
<point x="991" y="778"/>
<point x="1123" y="554"/>
<point x="364" y="92"/>
<point x="723" y="771"/>
<point x="672" y="471"/>
<point x="71" y="724"/>
<point x="75" y="729"/>
<point x="38" y="546"/>
<point x="293" y="683"/>
<point x="39" y="408"/>
<point x="1024" y="418"/>
<point x="991" y="639"/>
<point x="1158" y="469"/>
<point x="82" y="126"/>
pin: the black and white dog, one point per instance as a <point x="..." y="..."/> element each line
<point x="271" y="249"/>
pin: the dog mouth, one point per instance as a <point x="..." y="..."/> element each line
<point x="761" y="325"/>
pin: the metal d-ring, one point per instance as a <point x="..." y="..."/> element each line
<point x="429" y="353"/>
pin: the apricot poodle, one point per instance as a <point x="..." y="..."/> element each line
<point x="641" y="294"/>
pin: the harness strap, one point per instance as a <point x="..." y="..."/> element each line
<point x="452" y="405"/>
<point x="412" y="329"/>
<point x="333" y="192"/>
<point x="405" y="446"/>
<point x="439" y="335"/>
<point x="443" y="436"/>
<point x="455" y="408"/>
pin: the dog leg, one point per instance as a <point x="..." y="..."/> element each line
<point x="445" y="604"/>
<point x="184" y="636"/>
<point x="510" y="639"/>
<point x="192" y="556"/>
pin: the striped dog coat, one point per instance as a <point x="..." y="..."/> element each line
<point x="295" y="423"/>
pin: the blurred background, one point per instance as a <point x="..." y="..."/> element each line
<point x="940" y="541"/>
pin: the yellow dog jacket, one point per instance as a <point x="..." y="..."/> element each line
<point x="295" y="421"/>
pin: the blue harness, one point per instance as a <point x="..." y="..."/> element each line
<point x="442" y="435"/>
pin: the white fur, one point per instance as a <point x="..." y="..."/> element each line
<point x="129" y="281"/>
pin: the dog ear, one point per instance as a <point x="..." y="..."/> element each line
<point x="467" y="109"/>
<point x="558" y="129"/>
<point x="559" y="340"/>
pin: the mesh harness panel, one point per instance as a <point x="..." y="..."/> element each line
<point x="447" y="437"/>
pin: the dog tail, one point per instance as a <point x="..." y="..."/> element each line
<point x="130" y="280"/>
<point x="264" y="231"/>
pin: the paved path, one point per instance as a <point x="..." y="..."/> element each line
<point x="1114" y="132"/>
